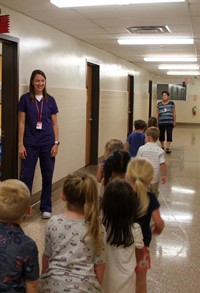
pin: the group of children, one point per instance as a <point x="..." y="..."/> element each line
<point x="144" y="142"/>
<point x="100" y="243"/>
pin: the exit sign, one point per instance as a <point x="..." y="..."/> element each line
<point x="4" y="23"/>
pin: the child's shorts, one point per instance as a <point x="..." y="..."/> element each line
<point x="144" y="263"/>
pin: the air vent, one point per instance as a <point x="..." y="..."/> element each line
<point x="148" y="29"/>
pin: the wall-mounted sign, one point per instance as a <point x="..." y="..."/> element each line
<point x="186" y="79"/>
<point x="4" y="24"/>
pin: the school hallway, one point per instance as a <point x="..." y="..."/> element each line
<point x="175" y="254"/>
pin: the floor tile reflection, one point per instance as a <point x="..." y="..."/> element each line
<point x="175" y="253"/>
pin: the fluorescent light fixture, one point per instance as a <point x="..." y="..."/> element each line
<point x="168" y="58"/>
<point x="179" y="66"/>
<point x="155" y="41"/>
<point x="83" y="3"/>
<point x="183" y="73"/>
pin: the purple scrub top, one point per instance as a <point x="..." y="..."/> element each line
<point x="32" y="135"/>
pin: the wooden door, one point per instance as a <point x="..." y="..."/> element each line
<point x="150" y="97"/>
<point x="92" y="114"/>
<point x="88" y="114"/>
<point x="130" y="103"/>
<point x="10" y="83"/>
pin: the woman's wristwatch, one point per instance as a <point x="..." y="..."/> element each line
<point x="56" y="142"/>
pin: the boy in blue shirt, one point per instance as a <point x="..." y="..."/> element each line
<point x="136" y="138"/>
<point x="19" y="268"/>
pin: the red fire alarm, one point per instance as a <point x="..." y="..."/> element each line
<point x="4" y="24"/>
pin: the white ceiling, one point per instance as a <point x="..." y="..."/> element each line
<point x="102" y="26"/>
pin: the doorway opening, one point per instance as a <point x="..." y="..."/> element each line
<point x="130" y="89"/>
<point x="9" y="103"/>
<point x="150" y="97"/>
<point x="92" y="114"/>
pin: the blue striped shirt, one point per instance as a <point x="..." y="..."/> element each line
<point x="166" y="113"/>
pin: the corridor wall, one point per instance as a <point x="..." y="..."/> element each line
<point x="64" y="60"/>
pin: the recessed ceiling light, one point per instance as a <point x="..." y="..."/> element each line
<point x="155" y="41"/>
<point x="168" y="58"/>
<point x="183" y="73"/>
<point x="83" y="3"/>
<point x="179" y="66"/>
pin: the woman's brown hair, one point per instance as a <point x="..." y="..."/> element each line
<point x="31" y="87"/>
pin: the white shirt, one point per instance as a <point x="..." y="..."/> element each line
<point x="154" y="153"/>
<point x="119" y="276"/>
<point x="39" y="97"/>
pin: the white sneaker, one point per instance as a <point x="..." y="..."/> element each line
<point x="46" y="215"/>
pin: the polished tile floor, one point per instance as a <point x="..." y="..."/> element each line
<point x="176" y="252"/>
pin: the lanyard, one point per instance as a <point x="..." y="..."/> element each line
<point x="39" y="110"/>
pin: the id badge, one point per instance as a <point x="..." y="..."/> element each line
<point x="39" y="125"/>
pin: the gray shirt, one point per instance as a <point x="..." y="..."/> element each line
<point x="71" y="265"/>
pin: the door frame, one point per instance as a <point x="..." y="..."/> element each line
<point x="10" y="92"/>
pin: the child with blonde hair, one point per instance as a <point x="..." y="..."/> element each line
<point x="139" y="175"/>
<point x="119" y="208"/>
<point x="111" y="146"/>
<point x="19" y="268"/>
<point x="153" y="152"/>
<point x="73" y="259"/>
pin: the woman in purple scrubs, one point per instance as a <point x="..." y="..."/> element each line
<point x="38" y="137"/>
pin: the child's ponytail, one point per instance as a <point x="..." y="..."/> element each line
<point x="116" y="164"/>
<point x="91" y="211"/>
<point x="82" y="192"/>
<point x="140" y="174"/>
<point x="143" y="198"/>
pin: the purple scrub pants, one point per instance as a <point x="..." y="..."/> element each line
<point x="47" y="167"/>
